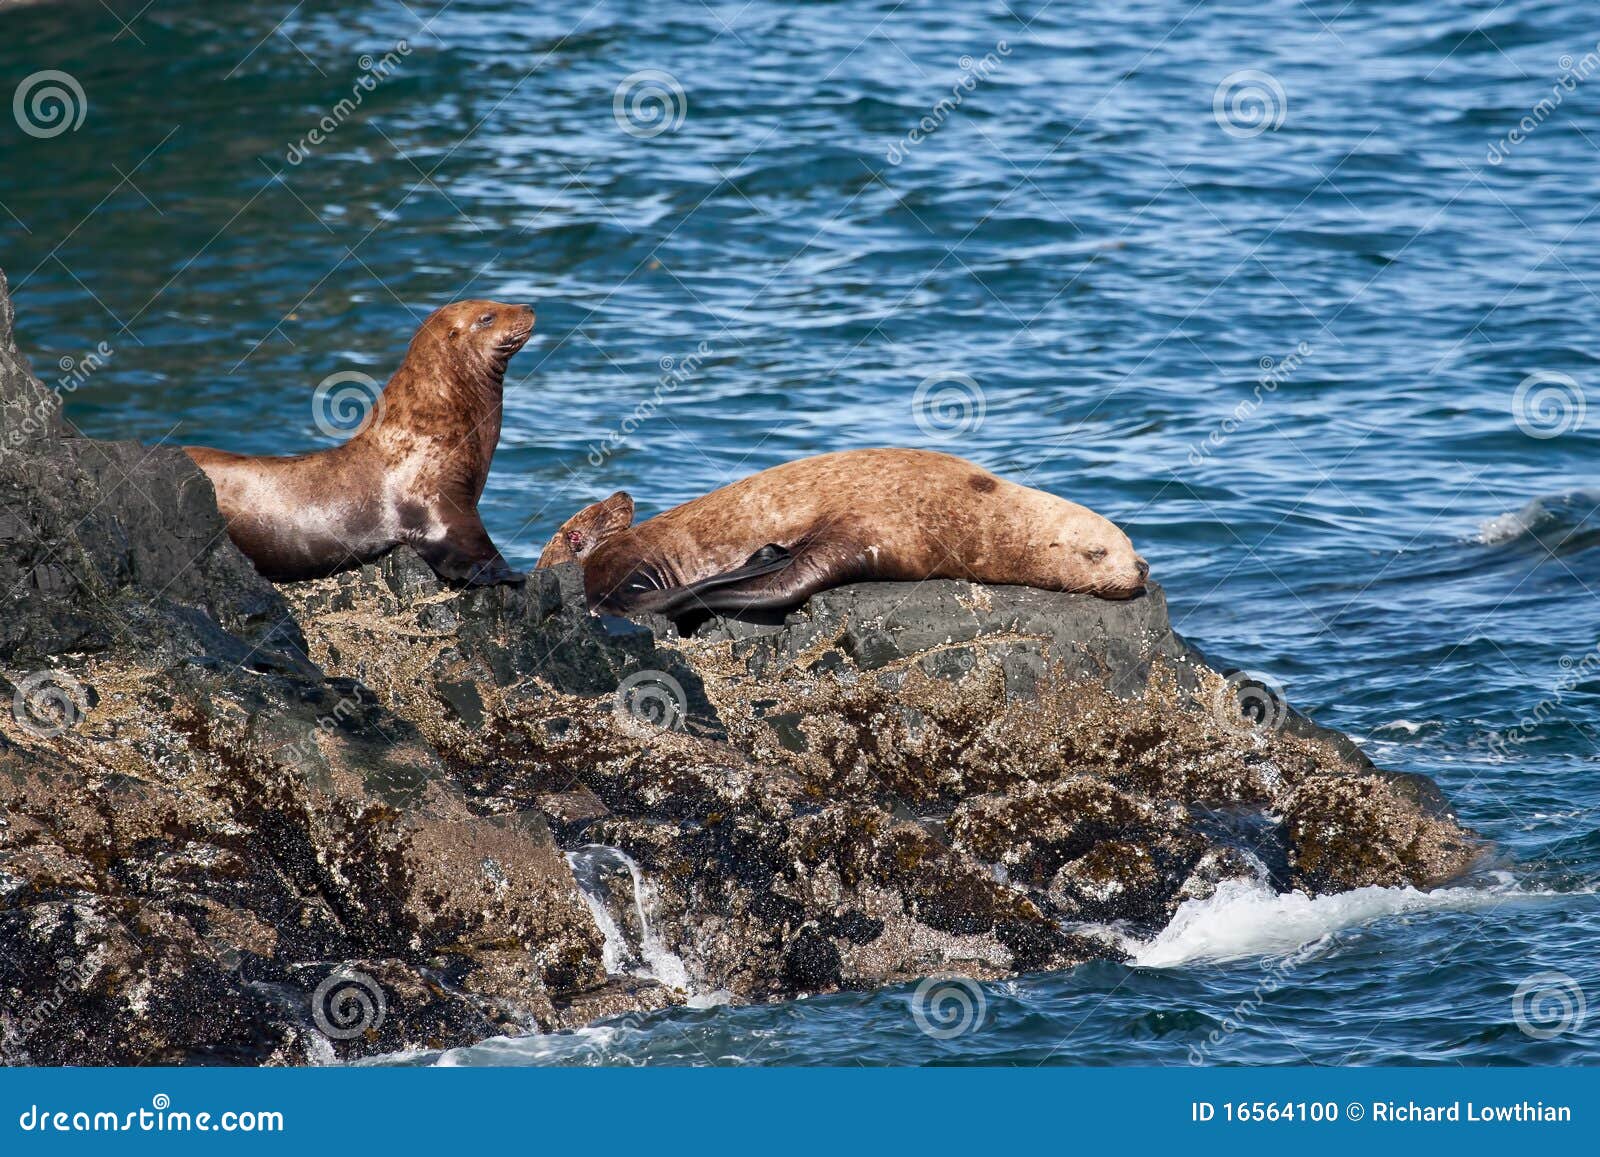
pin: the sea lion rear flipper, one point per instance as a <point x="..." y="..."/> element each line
<point x="464" y="554"/>
<point x="769" y="560"/>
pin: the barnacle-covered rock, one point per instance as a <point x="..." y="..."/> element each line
<point x="242" y="823"/>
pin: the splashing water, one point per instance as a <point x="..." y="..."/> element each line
<point x="1554" y="517"/>
<point x="1246" y="918"/>
<point x="649" y="957"/>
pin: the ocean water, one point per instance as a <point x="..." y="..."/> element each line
<point x="1302" y="294"/>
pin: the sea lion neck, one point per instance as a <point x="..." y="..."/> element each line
<point x="438" y="386"/>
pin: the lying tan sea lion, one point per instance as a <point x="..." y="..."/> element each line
<point x="413" y="473"/>
<point x="774" y="539"/>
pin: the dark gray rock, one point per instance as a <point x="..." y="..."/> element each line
<point x="114" y="546"/>
<point x="30" y="414"/>
<point x="949" y="624"/>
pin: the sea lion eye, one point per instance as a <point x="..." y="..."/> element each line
<point x="1098" y="554"/>
<point x="486" y="319"/>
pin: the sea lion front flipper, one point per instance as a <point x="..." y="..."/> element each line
<point x="817" y="566"/>
<point x="769" y="560"/>
<point x="465" y="555"/>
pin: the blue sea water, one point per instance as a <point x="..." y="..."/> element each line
<point x="1303" y="294"/>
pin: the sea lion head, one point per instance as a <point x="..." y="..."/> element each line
<point x="478" y="336"/>
<point x="1097" y="558"/>
<point x="587" y="529"/>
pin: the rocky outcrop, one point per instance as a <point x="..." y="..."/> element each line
<point x="200" y="830"/>
<point x="30" y="414"/>
<point x="243" y="823"/>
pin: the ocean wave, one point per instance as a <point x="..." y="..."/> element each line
<point x="1543" y="518"/>
<point x="1246" y="918"/>
<point x="1410" y="728"/>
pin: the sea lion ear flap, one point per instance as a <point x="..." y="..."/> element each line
<point x="588" y="528"/>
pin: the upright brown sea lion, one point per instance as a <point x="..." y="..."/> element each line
<point x="774" y="539"/>
<point x="413" y="473"/>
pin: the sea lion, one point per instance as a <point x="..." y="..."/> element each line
<point x="413" y="473"/>
<point x="772" y="540"/>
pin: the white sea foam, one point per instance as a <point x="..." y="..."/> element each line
<point x="1576" y="506"/>
<point x="615" y="949"/>
<point x="1240" y="920"/>
<point x="588" y="1045"/>
<point x="1245" y="918"/>
<point x="1405" y="726"/>
<point x="1502" y="528"/>
<point x="657" y="961"/>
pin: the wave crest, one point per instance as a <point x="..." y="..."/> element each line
<point x="1551" y="518"/>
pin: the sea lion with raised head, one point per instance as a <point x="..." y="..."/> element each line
<point x="412" y="473"/>
<point x="774" y="539"/>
